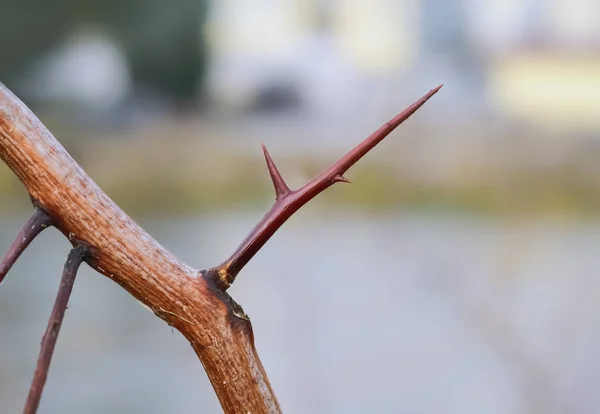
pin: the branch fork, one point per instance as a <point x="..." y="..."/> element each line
<point x="194" y="302"/>
<point x="287" y="202"/>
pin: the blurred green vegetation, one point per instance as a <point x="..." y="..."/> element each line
<point x="162" y="40"/>
<point x="163" y="177"/>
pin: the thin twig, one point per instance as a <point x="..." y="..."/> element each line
<point x="34" y="226"/>
<point x="76" y="256"/>
<point x="287" y="202"/>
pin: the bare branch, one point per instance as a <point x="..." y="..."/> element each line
<point x="219" y="332"/>
<point x="76" y="256"/>
<point x="288" y="202"/>
<point x="194" y="302"/>
<point x="34" y="226"/>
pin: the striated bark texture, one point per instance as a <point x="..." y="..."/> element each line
<point x="194" y="302"/>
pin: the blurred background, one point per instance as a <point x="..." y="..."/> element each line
<point x="458" y="274"/>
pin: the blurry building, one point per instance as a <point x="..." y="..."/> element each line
<point x="527" y="61"/>
<point x="535" y="61"/>
<point x="544" y="60"/>
<point x="98" y="52"/>
<point x="320" y="53"/>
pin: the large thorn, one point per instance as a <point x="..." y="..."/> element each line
<point x="34" y="226"/>
<point x="281" y="188"/>
<point x="76" y="256"/>
<point x="288" y="202"/>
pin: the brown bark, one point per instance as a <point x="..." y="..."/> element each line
<point x="194" y="302"/>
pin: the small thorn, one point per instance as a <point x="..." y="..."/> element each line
<point x="341" y="179"/>
<point x="281" y="188"/>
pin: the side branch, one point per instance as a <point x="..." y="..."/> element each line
<point x="32" y="228"/>
<point x="287" y="202"/>
<point x="76" y="257"/>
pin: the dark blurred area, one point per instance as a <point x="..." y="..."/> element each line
<point x="458" y="274"/>
<point x="155" y="44"/>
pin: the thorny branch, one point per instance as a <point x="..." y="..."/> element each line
<point x="194" y="302"/>
<point x="287" y="202"/>
<point x="76" y="256"/>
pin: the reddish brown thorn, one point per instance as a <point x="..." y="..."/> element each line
<point x="76" y="256"/>
<point x="288" y="202"/>
<point x="34" y="226"/>
<point x="281" y="188"/>
<point x="341" y="179"/>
